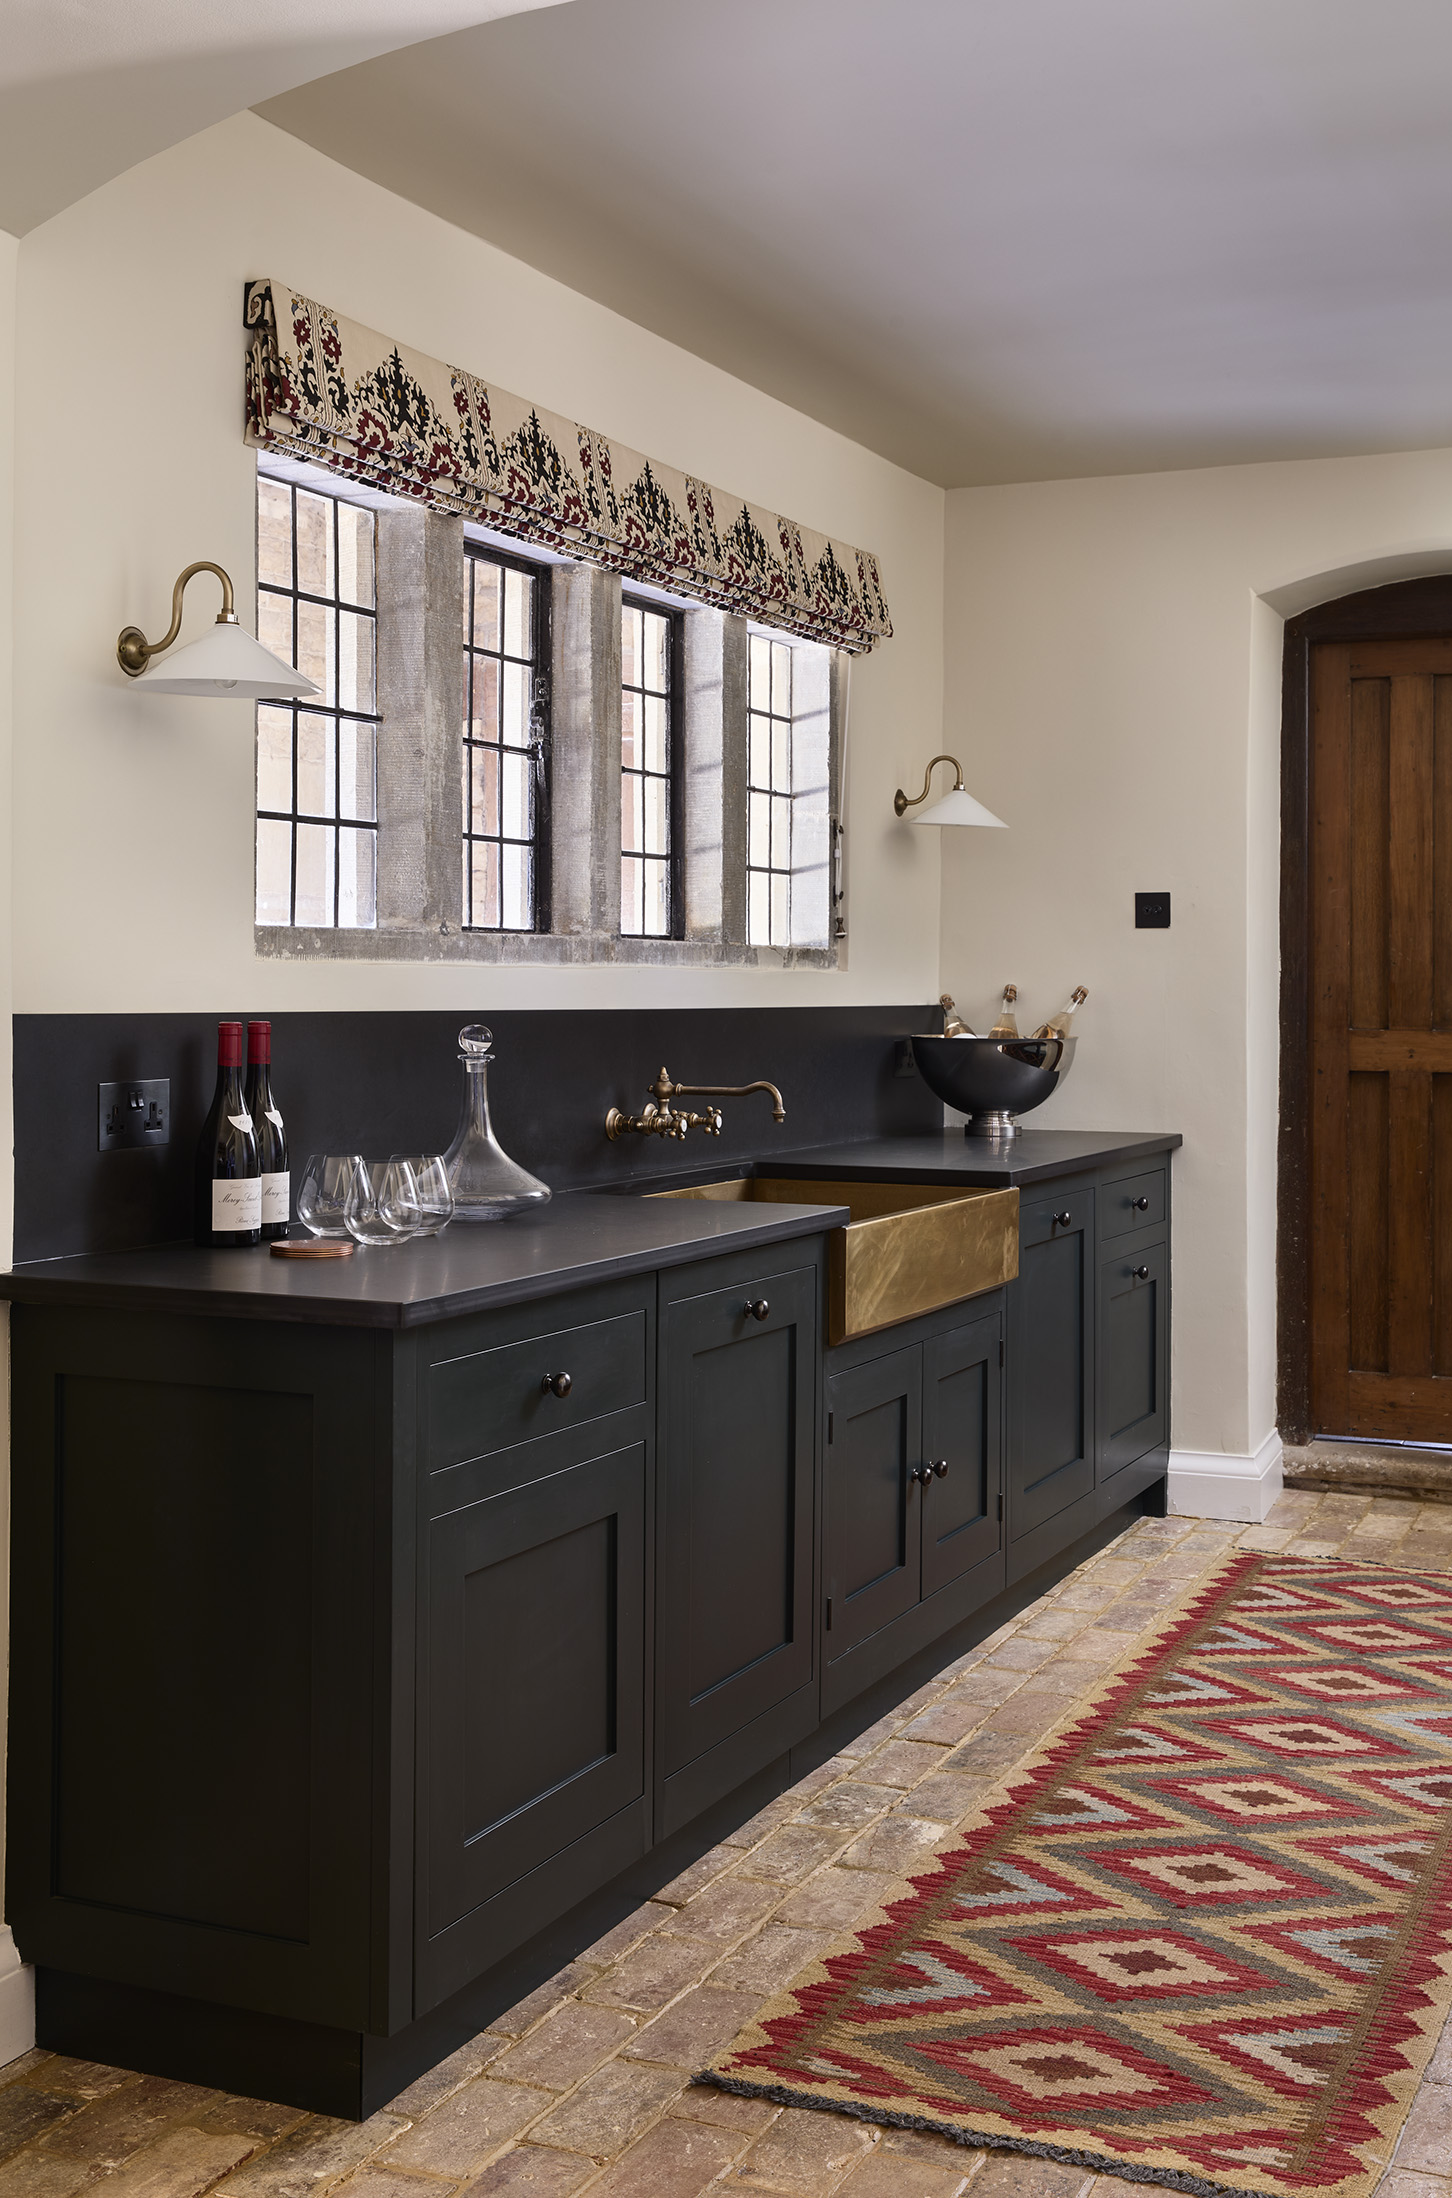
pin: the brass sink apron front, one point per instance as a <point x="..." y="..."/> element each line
<point x="908" y="1249"/>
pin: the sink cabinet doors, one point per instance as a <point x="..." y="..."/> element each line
<point x="912" y="1499"/>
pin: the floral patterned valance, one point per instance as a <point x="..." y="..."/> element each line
<point x="338" y="395"/>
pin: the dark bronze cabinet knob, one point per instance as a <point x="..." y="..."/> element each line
<point x="1139" y="1205"/>
<point x="1062" y="1220"/>
<point x="940" y="1467"/>
<point x="923" y="1473"/>
<point x="556" y="1385"/>
<point x="1141" y="1274"/>
<point x="756" y="1308"/>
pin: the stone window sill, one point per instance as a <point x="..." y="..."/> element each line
<point x="285" y="943"/>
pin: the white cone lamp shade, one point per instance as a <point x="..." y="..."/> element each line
<point x="226" y="661"/>
<point x="957" y="807"/>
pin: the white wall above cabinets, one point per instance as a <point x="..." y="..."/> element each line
<point x="1112" y="674"/>
<point x="135" y="884"/>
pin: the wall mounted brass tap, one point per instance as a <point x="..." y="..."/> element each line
<point x="660" y="1119"/>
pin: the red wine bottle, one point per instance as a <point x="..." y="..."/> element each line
<point x="268" y="1129"/>
<point x="228" y="1208"/>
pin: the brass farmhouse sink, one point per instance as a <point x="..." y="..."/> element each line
<point x="909" y="1247"/>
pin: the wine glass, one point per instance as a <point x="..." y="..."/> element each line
<point x="329" y="1193"/>
<point x="436" y="1199"/>
<point x="387" y="1209"/>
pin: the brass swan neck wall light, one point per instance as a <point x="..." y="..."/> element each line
<point x="956" y="806"/>
<point x="227" y="662"/>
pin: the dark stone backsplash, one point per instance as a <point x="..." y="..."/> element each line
<point x="380" y="1083"/>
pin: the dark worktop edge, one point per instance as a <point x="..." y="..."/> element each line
<point x="29" y="1283"/>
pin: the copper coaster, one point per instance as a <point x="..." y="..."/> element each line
<point x="313" y="1248"/>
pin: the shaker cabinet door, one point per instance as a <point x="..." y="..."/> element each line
<point x="1051" y="1360"/>
<point x="871" y="1497"/>
<point x="734" y="1632"/>
<point x="962" y="1504"/>
<point x="1133" y="1410"/>
<point x="535" y="1639"/>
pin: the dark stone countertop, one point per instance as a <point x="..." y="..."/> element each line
<point x="947" y="1156"/>
<point x="581" y="1237"/>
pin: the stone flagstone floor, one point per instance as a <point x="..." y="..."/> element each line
<point x="584" y="2087"/>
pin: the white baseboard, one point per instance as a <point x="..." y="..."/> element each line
<point x="17" y="2001"/>
<point x="1225" y="1484"/>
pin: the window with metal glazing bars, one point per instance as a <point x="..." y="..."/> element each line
<point x="506" y="628"/>
<point x="317" y="762"/>
<point x="650" y="898"/>
<point x="769" y="794"/>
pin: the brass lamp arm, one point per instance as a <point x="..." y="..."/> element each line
<point x="900" y="800"/>
<point x="134" y="652"/>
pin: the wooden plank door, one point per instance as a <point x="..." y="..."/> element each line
<point x="1381" y="1039"/>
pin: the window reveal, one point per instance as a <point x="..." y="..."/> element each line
<point x="317" y="778"/>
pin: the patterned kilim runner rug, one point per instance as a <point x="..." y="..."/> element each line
<point x="1206" y="1941"/>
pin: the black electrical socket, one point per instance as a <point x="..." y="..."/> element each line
<point x="134" y="1113"/>
<point x="1151" y="911"/>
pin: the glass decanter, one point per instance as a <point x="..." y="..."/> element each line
<point x="487" y="1185"/>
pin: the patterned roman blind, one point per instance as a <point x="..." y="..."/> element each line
<point x="325" y="390"/>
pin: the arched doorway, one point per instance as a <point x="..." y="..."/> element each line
<point x="1364" y="1250"/>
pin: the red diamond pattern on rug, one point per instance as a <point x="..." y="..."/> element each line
<point x="1207" y="1935"/>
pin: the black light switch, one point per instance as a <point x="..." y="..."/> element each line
<point x="1151" y="911"/>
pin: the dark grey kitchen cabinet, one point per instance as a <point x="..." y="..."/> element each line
<point x="534" y="1693"/>
<point x="1051" y="1425"/>
<point x="536" y="1430"/>
<point x="963" y="1447"/>
<point x="1133" y="1401"/>
<point x="874" y="1452"/>
<point x="912" y="1489"/>
<point x="735" y="1630"/>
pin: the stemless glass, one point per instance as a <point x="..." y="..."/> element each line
<point x="387" y="1209"/>
<point x="330" y="1191"/>
<point x="435" y="1199"/>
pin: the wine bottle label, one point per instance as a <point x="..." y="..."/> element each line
<point x="241" y="1121"/>
<point x="276" y="1198"/>
<point x="274" y="1118"/>
<point x="237" y="1206"/>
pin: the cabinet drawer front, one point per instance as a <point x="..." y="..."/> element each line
<point x="1068" y="1213"/>
<point x="535" y="1641"/>
<point x="1132" y="1202"/>
<point x="491" y="1399"/>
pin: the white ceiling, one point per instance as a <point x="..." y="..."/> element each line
<point x="90" y="87"/>
<point x="994" y="241"/>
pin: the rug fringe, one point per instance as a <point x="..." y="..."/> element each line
<point x="987" y="2140"/>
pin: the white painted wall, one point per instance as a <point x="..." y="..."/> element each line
<point x="134" y="865"/>
<point x="1112" y="685"/>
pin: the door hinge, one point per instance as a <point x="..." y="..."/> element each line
<point x="1000" y="1503"/>
<point x="830" y="1417"/>
<point x="828" y="1626"/>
